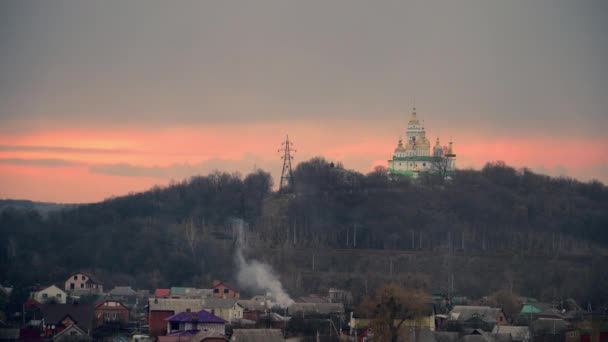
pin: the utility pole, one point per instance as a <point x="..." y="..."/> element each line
<point x="286" y="174"/>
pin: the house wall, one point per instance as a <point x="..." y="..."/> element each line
<point x="157" y="323"/>
<point x="76" y="282"/>
<point x="108" y="313"/>
<point x="217" y="327"/>
<point x="50" y="293"/>
<point x="221" y="291"/>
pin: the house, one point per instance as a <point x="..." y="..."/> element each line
<point x="475" y="317"/>
<point x="257" y="335"/>
<point x="223" y="290"/>
<point x="190" y="323"/>
<point x="111" y="312"/>
<point x="58" y="317"/>
<point x="517" y="333"/>
<point x="49" y="294"/>
<point x="72" y="334"/>
<point x="161" y="308"/>
<point x="252" y="309"/>
<point x="83" y="283"/>
<point x="125" y="294"/>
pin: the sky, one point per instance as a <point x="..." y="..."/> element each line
<point x="105" y="98"/>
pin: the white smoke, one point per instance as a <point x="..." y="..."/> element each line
<point x="257" y="275"/>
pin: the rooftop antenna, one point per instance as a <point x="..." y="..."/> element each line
<point x="286" y="174"/>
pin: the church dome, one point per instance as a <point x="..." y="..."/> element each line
<point x="400" y="147"/>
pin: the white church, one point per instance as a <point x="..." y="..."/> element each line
<point x="416" y="156"/>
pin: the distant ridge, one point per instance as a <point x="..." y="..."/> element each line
<point x="41" y="207"/>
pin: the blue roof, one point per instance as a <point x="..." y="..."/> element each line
<point x="201" y="317"/>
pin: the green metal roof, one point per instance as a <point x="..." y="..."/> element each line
<point x="178" y="291"/>
<point x="416" y="158"/>
<point x="529" y="309"/>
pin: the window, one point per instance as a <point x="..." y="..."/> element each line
<point x="83" y="278"/>
<point x="216" y="290"/>
<point x="58" y="295"/>
<point x="226" y="290"/>
<point x="82" y="286"/>
<point x="73" y="333"/>
<point x="45" y="296"/>
<point x="75" y="277"/>
<point x="174" y="326"/>
<point x="72" y="286"/>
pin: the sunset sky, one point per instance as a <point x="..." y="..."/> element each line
<point x="100" y="99"/>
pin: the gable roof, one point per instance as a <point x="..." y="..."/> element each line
<point x="66" y="333"/>
<point x="257" y="335"/>
<point x="90" y="278"/>
<point x="50" y="287"/>
<point x="122" y="291"/>
<point x="81" y="314"/>
<point x="103" y="301"/>
<point x="463" y="313"/>
<point x="202" y="316"/>
<point x="218" y="283"/>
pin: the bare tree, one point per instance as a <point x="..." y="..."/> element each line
<point x="391" y="307"/>
<point x="440" y="166"/>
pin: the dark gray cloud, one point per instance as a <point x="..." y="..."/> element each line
<point x="48" y="162"/>
<point x="518" y="67"/>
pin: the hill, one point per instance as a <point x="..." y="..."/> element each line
<point x="481" y="231"/>
<point x="41" y="207"/>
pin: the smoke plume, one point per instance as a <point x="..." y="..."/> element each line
<point x="256" y="275"/>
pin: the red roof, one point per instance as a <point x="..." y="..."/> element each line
<point x="102" y="301"/>
<point x="162" y="292"/>
<point x="217" y="284"/>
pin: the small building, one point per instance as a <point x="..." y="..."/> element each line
<point x="475" y="317"/>
<point x="125" y="294"/>
<point x="223" y="290"/>
<point x="189" y="321"/>
<point x="111" y="312"/>
<point x="49" y="294"/>
<point x="83" y="283"/>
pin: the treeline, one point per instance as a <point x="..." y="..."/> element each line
<point x="497" y="209"/>
<point x="183" y="234"/>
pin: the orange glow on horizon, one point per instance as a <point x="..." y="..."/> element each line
<point x="360" y="146"/>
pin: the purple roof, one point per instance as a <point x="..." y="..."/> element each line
<point x="190" y="317"/>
